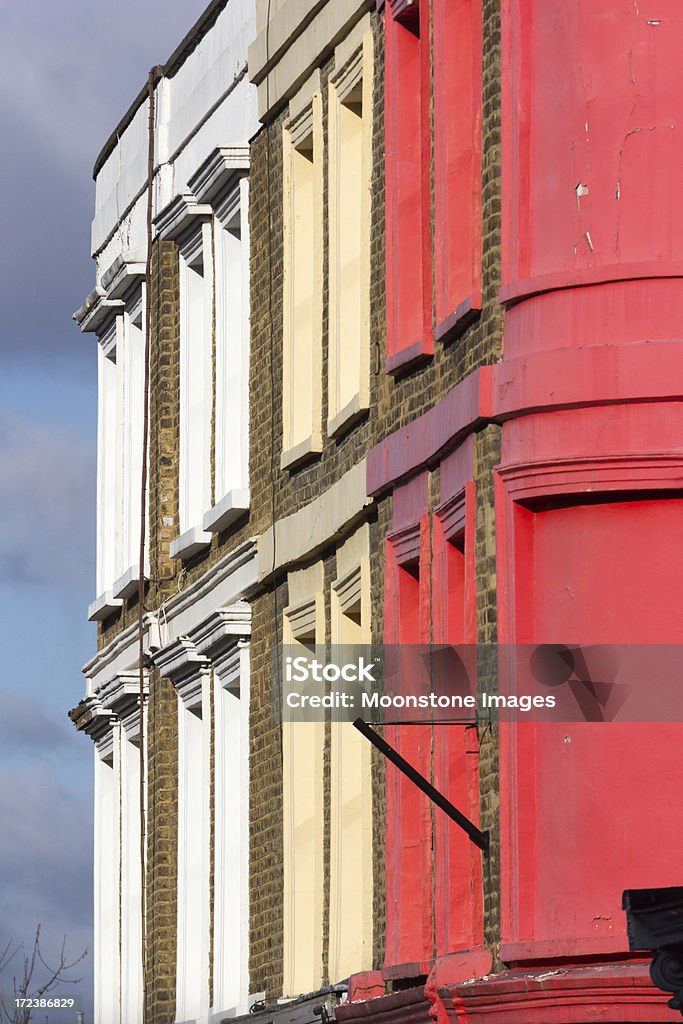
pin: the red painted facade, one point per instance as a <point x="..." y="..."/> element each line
<point x="588" y="492"/>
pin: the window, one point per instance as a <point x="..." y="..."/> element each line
<point x="131" y="890"/>
<point x="108" y="476"/>
<point x="351" y="875"/>
<point x="107" y="865"/>
<point x="302" y="309"/>
<point x="196" y="320"/>
<point x="350" y="164"/>
<point x="408" y="204"/>
<point x="132" y="374"/>
<point x="457" y="862"/>
<point x="232" y="358"/>
<point x="231" y="862"/>
<point x="457" y="163"/>
<point x="302" y="782"/>
<point x="119" y="460"/>
<point x="409" y="831"/>
<point x="192" y="966"/>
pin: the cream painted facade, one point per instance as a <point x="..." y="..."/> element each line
<point x="350" y="940"/>
<point x="313" y="63"/>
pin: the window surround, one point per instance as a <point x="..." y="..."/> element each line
<point x="351" y="83"/>
<point x="222" y="181"/>
<point x="410" y="335"/>
<point x="351" y="869"/>
<point x="120" y="424"/>
<point x="190" y="224"/>
<point x="190" y="673"/>
<point x="303" y="282"/>
<point x="107" y="958"/>
<point x="230" y="872"/>
<point x="303" y="622"/>
<point x="196" y="330"/>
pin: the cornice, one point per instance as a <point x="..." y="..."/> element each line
<point x="179" y="660"/>
<point x="124" y="273"/>
<point x="406" y="543"/>
<point x="96" y="310"/>
<point x="221" y="169"/>
<point x="348" y="587"/>
<point x="122" y="692"/>
<point x="177" y="216"/>
<point x="222" y="629"/>
<point x="107" y="298"/>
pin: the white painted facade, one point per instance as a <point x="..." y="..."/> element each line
<point x="205" y="115"/>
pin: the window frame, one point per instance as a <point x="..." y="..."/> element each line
<point x="356" y="75"/>
<point x="303" y="132"/>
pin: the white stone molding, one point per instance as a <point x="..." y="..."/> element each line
<point x="224" y="513"/>
<point x="313" y="527"/>
<point x="180" y="215"/>
<point x="221" y="169"/>
<point x="103" y="606"/>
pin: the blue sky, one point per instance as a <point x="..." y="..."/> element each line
<point x="68" y="71"/>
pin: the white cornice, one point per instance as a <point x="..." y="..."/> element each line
<point x="106" y="299"/>
<point x="223" y="166"/>
<point x="177" y="217"/>
<point x="224" y="585"/>
<point x="96" y="310"/>
<point x="224" y="628"/>
<point x="179" y="659"/>
<point x="122" y="692"/>
<point x="125" y="272"/>
<point x="101" y="721"/>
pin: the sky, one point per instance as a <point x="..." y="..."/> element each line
<point x="68" y="72"/>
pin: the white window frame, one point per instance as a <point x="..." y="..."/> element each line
<point x="132" y="373"/>
<point x="108" y="474"/>
<point x="196" y="389"/>
<point x="107" y="923"/>
<point x="231" y="832"/>
<point x="131" y="871"/>
<point x="302" y="285"/>
<point x="349" y="199"/>
<point x="194" y="737"/>
<point x="119" y="456"/>
<point x="231" y="440"/>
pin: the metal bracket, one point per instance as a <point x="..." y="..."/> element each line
<point x="479" y="838"/>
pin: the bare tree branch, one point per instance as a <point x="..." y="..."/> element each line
<point x="28" y="988"/>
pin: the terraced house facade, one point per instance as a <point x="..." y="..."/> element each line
<point x="404" y="278"/>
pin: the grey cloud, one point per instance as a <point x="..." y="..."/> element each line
<point x="27" y="726"/>
<point x="47" y="498"/>
<point x="68" y="72"/>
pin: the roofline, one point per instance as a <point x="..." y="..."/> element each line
<point x="203" y="24"/>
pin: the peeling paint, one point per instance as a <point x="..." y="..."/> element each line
<point x="590" y="241"/>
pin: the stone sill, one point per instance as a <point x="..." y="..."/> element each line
<point x="190" y="543"/>
<point x="103" y="606"/>
<point x="293" y="457"/>
<point x="233" y="505"/>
